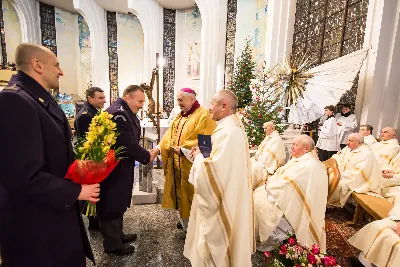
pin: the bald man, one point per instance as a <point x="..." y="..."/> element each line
<point x="270" y="155"/>
<point x="387" y="148"/>
<point x="40" y="222"/>
<point x="293" y="200"/>
<point x="220" y="229"/>
<point x="359" y="171"/>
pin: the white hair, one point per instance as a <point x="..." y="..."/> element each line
<point x="184" y="94"/>
<point x="359" y="137"/>
<point x="269" y="123"/>
<point x="306" y="140"/>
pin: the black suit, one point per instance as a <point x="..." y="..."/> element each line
<point x="84" y="118"/>
<point x="116" y="189"/>
<point x="40" y="223"/>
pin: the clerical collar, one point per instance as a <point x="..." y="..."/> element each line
<point x="330" y="116"/>
<point x="346" y="114"/>
<point x="192" y="109"/>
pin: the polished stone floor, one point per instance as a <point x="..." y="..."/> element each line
<point x="159" y="244"/>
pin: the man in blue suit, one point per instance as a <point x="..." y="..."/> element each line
<point x="116" y="189"/>
<point x="40" y="222"/>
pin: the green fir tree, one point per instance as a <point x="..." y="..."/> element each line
<point x="244" y="69"/>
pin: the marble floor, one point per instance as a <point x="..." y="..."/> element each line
<point x="159" y="243"/>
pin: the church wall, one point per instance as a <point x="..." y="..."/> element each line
<point x="188" y="33"/>
<point x="68" y="50"/>
<point x="12" y="29"/>
<point x="130" y="51"/>
<point x="251" y="23"/>
<point x="85" y="62"/>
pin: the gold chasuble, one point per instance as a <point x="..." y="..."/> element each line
<point x="385" y="151"/>
<point x="270" y="156"/>
<point x="221" y="231"/>
<point x="359" y="172"/>
<point x="178" y="192"/>
<point x="298" y="192"/>
<point x="379" y="241"/>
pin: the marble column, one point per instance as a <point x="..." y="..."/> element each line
<point x="28" y="15"/>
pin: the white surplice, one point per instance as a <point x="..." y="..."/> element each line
<point x="359" y="172"/>
<point x="349" y="123"/>
<point x="299" y="190"/>
<point x="379" y="242"/>
<point x="329" y="136"/>
<point x="385" y="151"/>
<point x="270" y="156"/>
<point x="221" y="223"/>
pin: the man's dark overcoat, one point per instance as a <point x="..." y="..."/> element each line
<point x="116" y="189"/>
<point x="40" y="222"/>
<point x="84" y="118"/>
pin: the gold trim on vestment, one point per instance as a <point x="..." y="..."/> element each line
<point x="306" y="206"/>
<point x="377" y="235"/>
<point x="224" y="217"/>
<point x="365" y="178"/>
<point x="391" y="252"/>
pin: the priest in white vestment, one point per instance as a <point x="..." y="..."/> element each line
<point x="391" y="183"/>
<point x="366" y="131"/>
<point x="293" y="200"/>
<point x="379" y="242"/>
<point x="359" y="171"/>
<point x="346" y="122"/>
<point x="387" y="148"/>
<point x="221" y="223"/>
<point x="270" y="155"/>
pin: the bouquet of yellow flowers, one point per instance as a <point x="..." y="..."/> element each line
<point x="95" y="157"/>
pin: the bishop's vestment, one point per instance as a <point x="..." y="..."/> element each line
<point x="221" y="229"/>
<point x="385" y="151"/>
<point x="270" y="156"/>
<point x="359" y="172"/>
<point x="178" y="192"/>
<point x="299" y="192"/>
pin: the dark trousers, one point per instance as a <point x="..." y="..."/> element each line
<point x="112" y="233"/>
<point x="325" y="155"/>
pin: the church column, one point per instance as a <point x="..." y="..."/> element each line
<point x="29" y="19"/>
<point x="213" y="40"/>
<point x="96" y="19"/>
<point x="280" y="28"/>
<point x="378" y="93"/>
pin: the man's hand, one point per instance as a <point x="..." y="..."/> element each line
<point x="194" y="152"/>
<point x="90" y="192"/>
<point x="340" y="123"/>
<point x="387" y="174"/>
<point x="153" y="154"/>
<point x="177" y="150"/>
<point x="397" y="229"/>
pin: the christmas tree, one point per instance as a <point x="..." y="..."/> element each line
<point x="263" y="108"/>
<point x="242" y="76"/>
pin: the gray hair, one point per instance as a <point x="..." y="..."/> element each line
<point x="187" y="94"/>
<point x="229" y="97"/>
<point x="306" y="140"/>
<point x="359" y="137"/>
<point x="269" y="123"/>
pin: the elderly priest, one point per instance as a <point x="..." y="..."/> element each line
<point x="270" y="155"/>
<point x="379" y="242"/>
<point x="293" y="200"/>
<point x="221" y="230"/>
<point x="359" y="171"/>
<point x="391" y="183"/>
<point x="387" y="148"/>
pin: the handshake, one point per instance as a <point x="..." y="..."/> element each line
<point x="153" y="154"/>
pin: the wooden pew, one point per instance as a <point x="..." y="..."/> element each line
<point x="378" y="208"/>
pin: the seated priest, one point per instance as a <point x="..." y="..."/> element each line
<point x="379" y="242"/>
<point x="387" y="148"/>
<point x="359" y="171"/>
<point x="391" y="183"/>
<point x="366" y="131"/>
<point x="293" y="200"/>
<point x="270" y="155"/>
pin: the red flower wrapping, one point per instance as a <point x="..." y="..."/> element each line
<point x="91" y="172"/>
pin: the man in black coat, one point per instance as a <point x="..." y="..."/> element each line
<point x="116" y="189"/>
<point x="95" y="100"/>
<point x="40" y="222"/>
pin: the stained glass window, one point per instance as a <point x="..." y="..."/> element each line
<point x="3" y="37"/>
<point x="112" y="54"/>
<point x="328" y="29"/>
<point x="48" y="27"/>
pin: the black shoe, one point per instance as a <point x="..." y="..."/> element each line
<point x="123" y="250"/>
<point x="354" y="262"/>
<point x="128" y="238"/>
<point x="93" y="224"/>
<point x="179" y="225"/>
